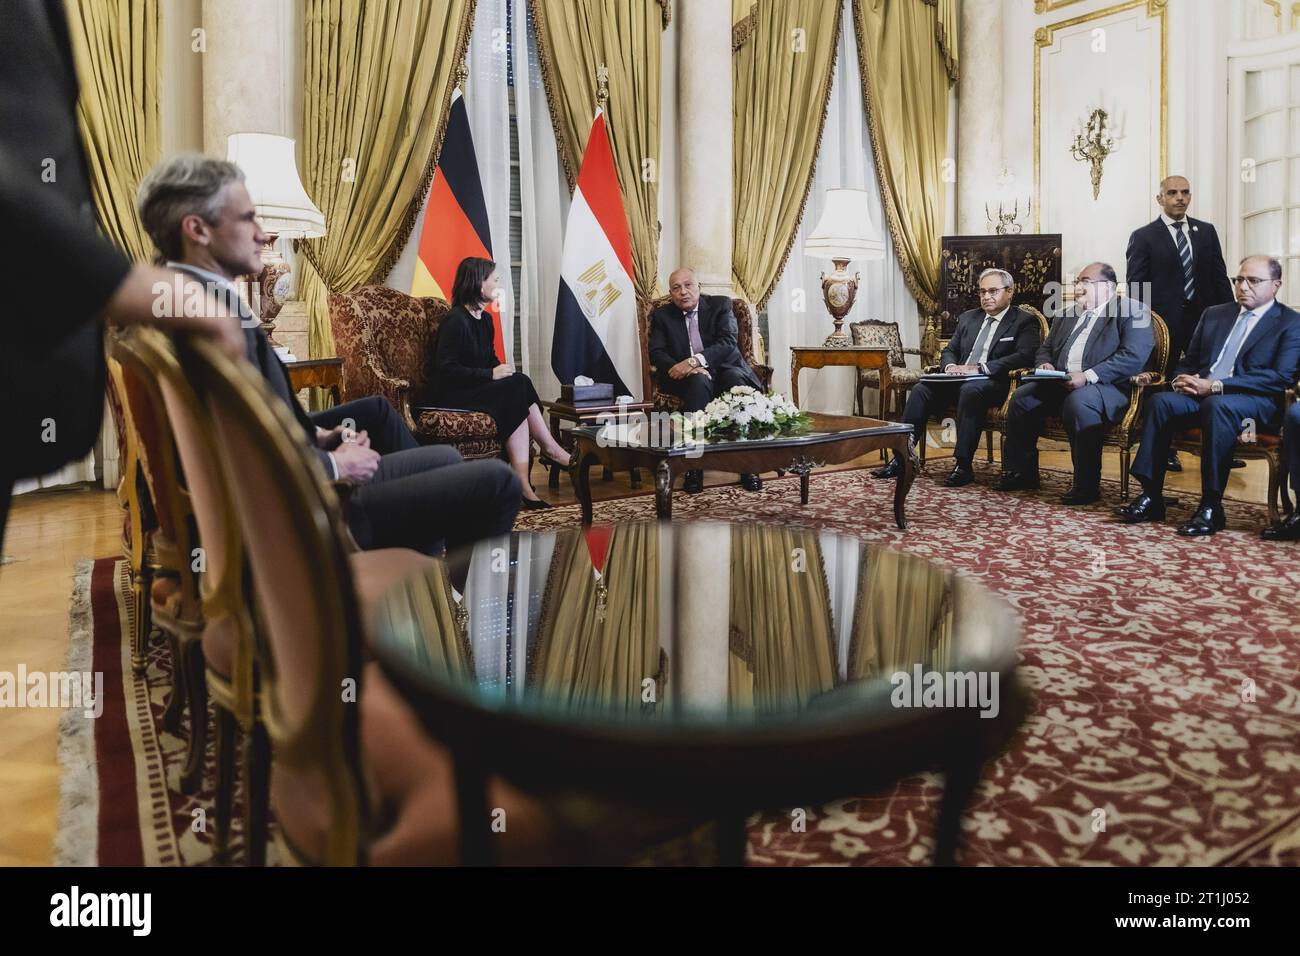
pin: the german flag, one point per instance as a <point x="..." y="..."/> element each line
<point x="456" y="219"/>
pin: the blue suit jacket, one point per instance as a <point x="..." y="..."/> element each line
<point x="1269" y="358"/>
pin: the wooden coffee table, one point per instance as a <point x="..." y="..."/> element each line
<point x="832" y="440"/>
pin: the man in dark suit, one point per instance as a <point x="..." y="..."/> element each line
<point x="1102" y="342"/>
<point x="1175" y="266"/>
<point x="990" y="342"/>
<point x="692" y="344"/>
<point x="1288" y="529"/>
<point x="1239" y="363"/>
<point x="62" y="279"/>
<point x="200" y="216"/>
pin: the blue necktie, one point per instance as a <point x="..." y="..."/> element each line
<point x="1185" y="254"/>
<point x="1227" y="360"/>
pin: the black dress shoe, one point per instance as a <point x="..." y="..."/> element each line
<point x="1016" y="481"/>
<point x="1237" y="463"/>
<point x="751" y="482"/>
<point x="960" y="475"/>
<point x="534" y="504"/>
<point x="1207" y="520"/>
<point x="1081" y="496"/>
<point x="1285" y="530"/>
<point x="1173" y="464"/>
<point x="693" y="482"/>
<point x="892" y="470"/>
<point x="1142" y="508"/>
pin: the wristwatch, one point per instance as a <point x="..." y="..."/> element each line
<point x="695" y="363"/>
<point x="1216" y="387"/>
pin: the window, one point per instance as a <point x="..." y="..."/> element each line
<point x="1265" y="113"/>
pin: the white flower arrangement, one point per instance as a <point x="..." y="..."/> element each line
<point x="743" y="412"/>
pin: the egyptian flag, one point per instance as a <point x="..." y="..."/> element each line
<point x="597" y="537"/>
<point x="595" y="318"/>
<point x="455" y="219"/>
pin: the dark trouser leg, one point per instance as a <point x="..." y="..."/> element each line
<point x="695" y="391"/>
<point x="376" y="415"/>
<point x="1290" y="444"/>
<point x="421" y="497"/>
<point x="725" y="378"/>
<point x="1167" y="413"/>
<point x="923" y="401"/>
<point x="974" y="399"/>
<point x="6" y="495"/>
<point x="1030" y="406"/>
<point x="1084" y="417"/>
<point x="1223" y="418"/>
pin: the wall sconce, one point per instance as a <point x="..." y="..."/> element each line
<point x="1092" y="144"/>
<point x="1006" y="221"/>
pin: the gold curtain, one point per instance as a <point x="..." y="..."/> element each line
<point x="907" y="54"/>
<point x="782" y="81"/>
<point x="116" y="47"/>
<point x="743" y="14"/>
<point x="574" y="37"/>
<point x="587" y="664"/>
<point x="378" y="79"/>
<point x="782" y="639"/>
<point x="903" y="615"/>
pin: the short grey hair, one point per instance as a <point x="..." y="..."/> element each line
<point x="189" y="184"/>
<point x="1007" y="281"/>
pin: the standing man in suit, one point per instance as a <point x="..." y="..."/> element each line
<point x="1175" y="265"/>
<point x="1240" y="362"/>
<point x="200" y="216"/>
<point x="1102" y="342"/>
<point x="62" y="279"/>
<point x="694" y="353"/>
<point x="990" y="342"/>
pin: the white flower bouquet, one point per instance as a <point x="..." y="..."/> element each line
<point x="743" y="413"/>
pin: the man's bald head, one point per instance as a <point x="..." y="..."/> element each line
<point x="1175" y="196"/>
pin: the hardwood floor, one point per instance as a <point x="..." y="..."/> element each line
<point x="49" y="531"/>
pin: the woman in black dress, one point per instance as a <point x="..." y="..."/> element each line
<point x="466" y="374"/>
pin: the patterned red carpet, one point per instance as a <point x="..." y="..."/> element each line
<point x="1144" y="651"/>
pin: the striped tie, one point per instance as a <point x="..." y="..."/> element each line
<point x="1185" y="254"/>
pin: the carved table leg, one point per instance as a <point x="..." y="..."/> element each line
<point x="583" y="480"/>
<point x="904" y="480"/>
<point x="803" y="488"/>
<point x="636" y="477"/>
<point x="664" y="491"/>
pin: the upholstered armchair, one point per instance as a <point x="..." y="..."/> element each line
<point x="663" y="402"/>
<point x="386" y="339"/>
<point x="872" y="333"/>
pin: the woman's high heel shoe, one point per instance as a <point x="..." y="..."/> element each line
<point x="534" y="504"/>
<point x="548" y="462"/>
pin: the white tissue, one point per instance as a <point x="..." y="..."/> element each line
<point x="624" y="399"/>
<point x="583" y="380"/>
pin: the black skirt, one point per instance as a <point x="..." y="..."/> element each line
<point x="507" y="400"/>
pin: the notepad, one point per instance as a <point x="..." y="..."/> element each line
<point x="939" y="377"/>
<point x="1043" y="375"/>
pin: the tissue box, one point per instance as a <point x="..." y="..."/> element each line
<point x="572" y="394"/>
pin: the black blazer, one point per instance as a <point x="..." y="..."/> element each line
<point x="1269" y="359"/>
<point x="669" y="342"/>
<point x="1015" y="341"/>
<point x="1153" y="258"/>
<point x="1118" y="347"/>
<point x="59" y="272"/>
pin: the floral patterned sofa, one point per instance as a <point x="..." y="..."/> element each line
<point x="386" y="339"/>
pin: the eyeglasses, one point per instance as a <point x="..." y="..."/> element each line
<point x="1091" y="281"/>
<point x="984" y="292"/>
<point x="1253" y="281"/>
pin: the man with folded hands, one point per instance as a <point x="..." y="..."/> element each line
<point x="1239" y="364"/>
<point x="990" y="342"/>
<point x="1100" y="344"/>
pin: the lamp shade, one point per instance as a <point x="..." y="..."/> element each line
<point x="845" y="230"/>
<point x="271" y="175"/>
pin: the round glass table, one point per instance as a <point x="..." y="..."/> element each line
<point x="700" y="672"/>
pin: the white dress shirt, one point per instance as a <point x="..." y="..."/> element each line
<point x="1257" y="313"/>
<point x="1074" y="360"/>
<point x="979" y="360"/>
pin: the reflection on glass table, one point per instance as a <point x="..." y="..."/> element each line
<point x="702" y="671"/>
